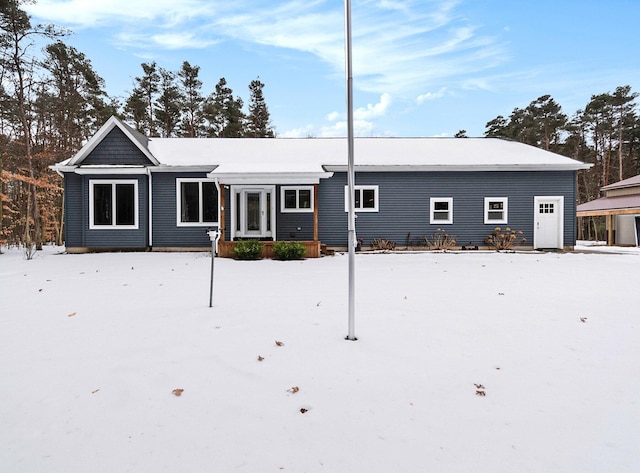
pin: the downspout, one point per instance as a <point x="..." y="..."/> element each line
<point x="216" y="182"/>
<point x="150" y="208"/>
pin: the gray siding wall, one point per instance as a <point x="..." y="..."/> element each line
<point x="77" y="232"/>
<point x="404" y="204"/>
<point x="288" y="223"/>
<point x="116" y="148"/>
<point x="166" y="232"/>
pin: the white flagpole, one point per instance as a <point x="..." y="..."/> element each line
<point x="350" y="173"/>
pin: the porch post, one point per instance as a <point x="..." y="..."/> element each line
<point x="315" y="212"/>
<point x="609" y="225"/>
<point x="221" y="216"/>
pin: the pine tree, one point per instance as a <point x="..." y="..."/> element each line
<point x="224" y="112"/>
<point x="191" y="86"/>
<point x="168" y="105"/>
<point x="258" y="120"/>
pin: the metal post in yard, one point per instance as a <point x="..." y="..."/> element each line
<point x="213" y="236"/>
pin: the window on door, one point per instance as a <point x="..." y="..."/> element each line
<point x="197" y="202"/>
<point x="113" y="204"/>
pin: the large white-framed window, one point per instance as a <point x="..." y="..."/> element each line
<point x="296" y="199"/>
<point x="113" y="204"/>
<point x="366" y="198"/>
<point x="440" y="210"/>
<point x="197" y="202"/>
<point x="496" y="210"/>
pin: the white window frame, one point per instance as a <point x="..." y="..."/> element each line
<point x="199" y="223"/>
<point x="505" y="210"/>
<point x="297" y="208"/>
<point x="113" y="182"/>
<point x="432" y="205"/>
<point x="359" y="189"/>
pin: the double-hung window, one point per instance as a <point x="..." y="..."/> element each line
<point x="296" y="199"/>
<point x="496" y="210"/>
<point x="366" y="198"/>
<point x="440" y="210"/>
<point x="113" y="204"/>
<point x="197" y="202"/>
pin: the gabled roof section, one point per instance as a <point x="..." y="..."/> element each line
<point x="136" y="138"/>
<point x="631" y="182"/>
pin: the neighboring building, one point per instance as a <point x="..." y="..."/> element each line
<point x="621" y="208"/>
<point x="126" y="191"/>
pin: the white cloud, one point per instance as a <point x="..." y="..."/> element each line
<point x="333" y="116"/>
<point x="431" y="95"/>
<point x="373" y="111"/>
<point x="399" y="47"/>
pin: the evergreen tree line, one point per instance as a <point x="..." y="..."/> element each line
<point x="52" y="101"/>
<point x="605" y="133"/>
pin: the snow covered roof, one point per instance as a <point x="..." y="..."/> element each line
<point x="315" y="154"/>
<point x="318" y="157"/>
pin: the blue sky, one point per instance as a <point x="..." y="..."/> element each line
<point x="421" y="67"/>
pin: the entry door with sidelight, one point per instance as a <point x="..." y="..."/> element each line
<point x="548" y="231"/>
<point x="254" y="212"/>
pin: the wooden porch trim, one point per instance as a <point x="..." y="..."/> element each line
<point x="315" y="212"/>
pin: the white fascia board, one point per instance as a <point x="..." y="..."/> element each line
<point x="96" y="139"/>
<point x="85" y="170"/>
<point x="176" y="169"/>
<point x="460" y="168"/>
<point x="269" y="178"/>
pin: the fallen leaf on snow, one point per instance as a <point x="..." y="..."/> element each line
<point x="303" y="410"/>
<point x="279" y="343"/>
<point x="260" y="358"/>
<point x="294" y="389"/>
<point x="72" y="314"/>
<point x="480" y="393"/>
<point x="177" y="392"/>
<point x="583" y="319"/>
<point x="95" y="391"/>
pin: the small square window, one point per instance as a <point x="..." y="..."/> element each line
<point x="296" y="199"/>
<point x="441" y="210"/>
<point x="495" y="210"/>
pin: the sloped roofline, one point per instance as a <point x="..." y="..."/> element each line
<point x="630" y="182"/>
<point x="138" y="139"/>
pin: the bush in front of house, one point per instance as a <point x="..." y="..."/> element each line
<point x="248" y="249"/>
<point x="288" y="250"/>
<point x="505" y="239"/>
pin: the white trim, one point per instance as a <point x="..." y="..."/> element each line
<point x="242" y="190"/>
<point x="96" y="139"/>
<point x="113" y="183"/>
<point x="360" y="188"/>
<point x="271" y="178"/>
<point x="97" y="170"/>
<point x="200" y="222"/>
<point x="458" y="167"/>
<point x="297" y="208"/>
<point x="150" y="205"/>
<point x="432" y="202"/>
<point x="505" y="210"/>
<point x="559" y="201"/>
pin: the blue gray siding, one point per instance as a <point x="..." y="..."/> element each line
<point x="404" y="204"/>
<point x="76" y="208"/>
<point x="166" y="232"/>
<point x="116" y="149"/>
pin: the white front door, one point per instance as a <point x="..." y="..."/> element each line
<point x="253" y="212"/>
<point x="548" y="229"/>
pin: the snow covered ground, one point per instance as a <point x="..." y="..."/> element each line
<point x="466" y="362"/>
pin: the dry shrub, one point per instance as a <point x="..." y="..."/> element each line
<point x="440" y="240"/>
<point x="505" y="239"/>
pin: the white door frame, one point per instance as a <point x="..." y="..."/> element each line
<point x="238" y="226"/>
<point x="558" y="200"/>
